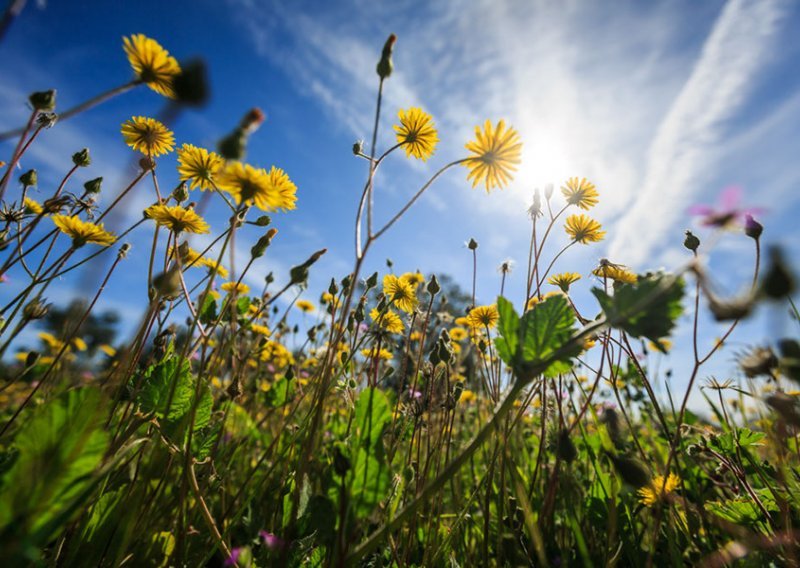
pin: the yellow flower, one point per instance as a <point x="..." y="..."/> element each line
<point x="615" y="273"/>
<point x="177" y="218"/>
<point x="79" y="344"/>
<point x="304" y="306"/>
<point x="532" y="302"/>
<point x="400" y="292"/>
<point x="413" y="278"/>
<point x="260" y="329"/>
<point x="462" y="321"/>
<point x="382" y="354"/>
<point x="198" y="166"/>
<point x="32" y="206"/>
<point x="152" y="63"/>
<point x="416" y="133"/>
<point x="583" y="229"/>
<point x="415" y="336"/>
<point x="495" y="153"/>
<point x="649" y="495"/>
<point x="83" y="232"/>
<point x="108" y="350"/>
<point x="269" y="191"/>
<point x="235" y="287"/>
<point x="328" y="298"/>
<point x="389" y="321"/>
<point x="148" y="136"/>
<point x="190" y="257"/>
<point x="482" y="317"/>
<point x="51" y="340"/>
<point x="214" y="266"/>
<point x="458" y="334"/>
<point x="467" y="396"/>
<point x="580" y="192"/>
<point x="666" y="344"/>
<point x="564" y="280"/>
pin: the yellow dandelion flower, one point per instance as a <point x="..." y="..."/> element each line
<point x="108" y="350"/>
<point x="616" y="273"/>
<point x="328" y="298"/>
<point x="413" y="278"/>
<point x="461" y="321"/>
<point x="482" y="317"/>
<point x="649" y="495"/>
<point x="83" y="232"/>
<point x="214" y="295"/>
<point x="198" y="166"/>
<point x="51" y="340"/>
<point x="380" y="354"/>
<point x="401" y="293"/>
<point x="583" y="229"/>
<point x="152" y="64"/>
<point x="305" y="306"/>
<point x="176" y="218"/>
<point x="458" y="334"/>
<point x="564" y="280"/>
<point x="495" y="152"/>
<point x="260" y="329"/>
<point x="148" y="136"/>
<point x="467" y="396"/>
<point x="580" y="192"/>
<point x="235" y="288"/>
<point x="532" y="302"/>
<point x="416" y="133"/>
<point x="269" y="191"/>
<point x="213" y="266"/>
<point x="389" y="320"/>
<point x="666" y="345"/>
<point x="415" y="336"/>
<point x="79" y="344"/>
<point x="32" y="206"/>
<point x="190" y="257"/>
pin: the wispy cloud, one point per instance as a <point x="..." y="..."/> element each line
<point x="684" y="147"/>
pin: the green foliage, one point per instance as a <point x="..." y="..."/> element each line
<point x="60" y="447"/>
<point x="525" y="342"/>
<point x="646" y="309"/>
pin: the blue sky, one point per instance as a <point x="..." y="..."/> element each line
<point x="660" y="104"/>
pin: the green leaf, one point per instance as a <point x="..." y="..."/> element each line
<point x="646" y="309"/>
<point x="60" y="448"/>
<point x="371" y="479"/>
<point x="280" y="393"/>
<point x="545" y="329"/>
<point x="508" y="326"/>
<point x="167" y="388"/>
<point x="242" y="304"/>
<point x="373" y="413"/>
<point x="208" y="313"/>
<point x="319" y="519"/>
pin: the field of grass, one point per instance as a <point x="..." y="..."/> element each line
<point x="402" y="423"/>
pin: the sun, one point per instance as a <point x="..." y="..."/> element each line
<point x="545" y="159"/>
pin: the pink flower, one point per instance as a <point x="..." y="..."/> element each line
<point x="233" y="558"/>
<point x="271" y="541"/>
<point x="728" y="214"/>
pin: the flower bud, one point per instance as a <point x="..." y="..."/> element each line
<point x="385" y="65"/>
<point x="191" y="84"/>
<point x="93" y="185"/>
<point x="47" y="119"/>
<point x="29" y="178"/>
<point x="691" y="242"/>
<point x="632" y="471"/>
<point x="752" y="228"/>
<point x="43" y="101"/>
<point x="358" y="147"/>
<point x="82" y="159"/>
<point x="124" y="250"/>
<point x="263" y="221"/>
<point x="31" y="359"/>
<point x="565" y="448"/>
<point x="181" y="193"/>
<point x="548" y="191"/>
<point x="778" y="281"/>
<point x="260" y="247"/>
<point x="472" y="244"/>
<point x="361" y="309"/>
<point x="372" y="281"/>
<point x="433" y="286"/>
<point x="333" y="289"/>
<point x="35" y="309"/>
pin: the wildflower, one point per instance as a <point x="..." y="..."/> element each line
<point x="389" y="320"/>
<point x="665" y="345"/>
<point x="564" y="280"/>
<point x="177" y="218"/>
<point x="400" y="292"/>
<point x="271" y="541"/>
<point x="467" y="396"/>
<point x="269" y="191"/>
<point x="416" y="133"/>
<point x="108" y="350"/>
<point x="506" y="267"/>
<point x="415" y="336"/>
<point x="32" y="206"/>
<point x="532" y="302"/>
<point x="79" y="344"/>
<point x="260" y="329"/>
<point x="213" y="266"/>
<point x="152" y="64"/>
<point x="305" y="306"/>
<point x="328" y="298"/>
<point x="458" y="334"/>
<point x="235" y="288"/>
<point x="482" y="317"/>
<point x="380" y="354"/>
<point x="752" y="228"/>
<point x="461" y="321"/>
<point x="413" y="278"/>
<point x="148" y="136"/>
<point x="616" y="273"/>
<point x="198" y="166"/>
<point x="728" y="215"/>
<point x="83" y="232"/>
<point x="495" y="153"/>
<point x="580" y="192"/>
<point x="649" y="494"/>
<point x="188" y="255"/>
<point x="51" y="340"/>
<point x="583" y="229"/>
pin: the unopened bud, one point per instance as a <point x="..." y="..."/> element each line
<point x="35" y="309"/>
<point x="433" y="286"/>
<point x="372" y="281"/>
<point x="191" y="84"/>
<point x="47" y="119"/>
<point x="565" y="448"/>
<point x="752" y="228"/>
<point x="263" y="221"/>
<point x="358" y="147"/>
<point x="385" y="65"/>
<point x="260" y="247"/>
<point x="147" y="163"/>
<point x="691" y="242"/>
<point x="333" y="289"/>
<point x="43" y="101"/>
<point x="93" y="185"/>
<point x="472" y="244"/>
<point x="632" y="471"/>
<point x="548" y="191"/>
<point x="29" y="178"/>
<point x="82" y="159"/>
<point x="778" y="281"/>
<point x="181" y="193"/>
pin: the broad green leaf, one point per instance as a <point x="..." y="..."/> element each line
<point x="545" y="329"/>
<point x="508" y="326"/>
<point x="208" y="313"/>
<point x="371" y="480"/>
<point x="373" y="413"/>
<point x="646" y="309"/>
<point x="167" y="388"/>
<point x="60" y="448"/>
<point x="319" y="519"/>
<point x="280" y="393"/>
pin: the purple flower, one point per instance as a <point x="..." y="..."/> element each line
<point x="271" y="541"/>
<point x="234" y="557"/>
<point x="727" y="213"/>
<point x="414" y="393"/>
